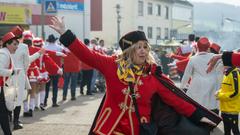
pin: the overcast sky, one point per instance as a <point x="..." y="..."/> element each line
<point x="232" y="2"/>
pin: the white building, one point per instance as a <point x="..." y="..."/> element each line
<point x="182" y="19"/>
<point x="154" y="17"/>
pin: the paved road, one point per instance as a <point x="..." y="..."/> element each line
<point x="71" y="118"/>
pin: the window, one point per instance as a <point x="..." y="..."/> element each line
<point x="150" y="8"/>
<point x="140" y="28"/>
<point x="158" y="10"/>
<point x="166" y="33"/>
<point x="150" y="32"/>
<point x="158" y="33"/>
<point x="167" y="12"/>
<point x="140" y="8"/>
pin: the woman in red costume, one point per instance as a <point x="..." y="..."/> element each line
<point x="133" y="68"/>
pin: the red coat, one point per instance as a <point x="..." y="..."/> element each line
<point x="46" y="63"/>
<point x="236" y="59"/>
<point x="231" y="59"/>
<point x="182" y="64"/>
<point x="117" y="111"/>
<point x="71" y="63"/>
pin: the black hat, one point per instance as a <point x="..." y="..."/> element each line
<point x="131" y="38"/>
<point x="191" y="37"/>
<point x="51" y="38"/>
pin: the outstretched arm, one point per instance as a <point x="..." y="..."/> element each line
<point x="79" y="49"/>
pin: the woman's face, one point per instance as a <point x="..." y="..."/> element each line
<point x="13" y="46"/>
<point x="141" y="52"/>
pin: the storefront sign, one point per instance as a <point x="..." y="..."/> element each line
<point x="15" y="15"/>
<point x="76" y="6"/>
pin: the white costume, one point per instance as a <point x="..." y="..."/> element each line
<point x="22" y="60"/>
<point x="203" y="86"/>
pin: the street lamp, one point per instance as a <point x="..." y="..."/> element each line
<point x="118" y="9"/>
<point x="43" y="18"/>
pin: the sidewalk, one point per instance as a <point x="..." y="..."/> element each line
<point x="71" y="118"/>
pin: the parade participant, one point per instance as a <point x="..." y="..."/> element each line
<point x="21" y="61"/>
<point x="45" y="65"/>
<point x="10" y="45"/>
<point x="202" y="86"/>
<point x="87" y="74"/>
<point x="33" y="74"/>
<point x="71" y="69"/>
<point x="52" y="45"/>
<point x="228" y="58"/>
<point x="134" y="66"/>
<point x="229" y="99"/>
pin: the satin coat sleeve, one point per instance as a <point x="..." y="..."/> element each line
<point x="26" y="61"/>
<point x="231" y="59"/>
<point x="51" y="66"/>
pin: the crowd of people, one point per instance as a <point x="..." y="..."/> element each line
<point x="36" y="67"/>
<point x="208" y="76"/>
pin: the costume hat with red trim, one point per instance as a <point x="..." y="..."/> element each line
<point x="215" y="47"/>
<point x="38" y="42"/>
<point x="28" y="35"/>
<point x="203" y="44"/>
<point x="17" y="31"/>
<point x="8" y="36"/>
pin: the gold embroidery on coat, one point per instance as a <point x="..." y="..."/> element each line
<point x="103" y="119"/>
<point x="120" y="116"/>
<point x="130" y="117"/>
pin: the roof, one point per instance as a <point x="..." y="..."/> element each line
<point x="183" y="2"/>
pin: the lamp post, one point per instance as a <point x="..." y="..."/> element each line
<point x="118" y="9"/>
<point x="43" y="18"/>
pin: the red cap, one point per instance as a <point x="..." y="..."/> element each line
<point x="215" y="47"/>
<point x="38" y="42"/>
<point x="17" y="31"/>
<point x="203" y="44"/>
<point x="8" y="37"/>
<point x="27" y="35"/>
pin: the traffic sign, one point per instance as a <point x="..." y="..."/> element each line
<point x="50" y="6"/>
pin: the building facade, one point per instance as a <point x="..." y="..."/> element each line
<point x="28" y="13"/>
<point x="157" y="18"/>
<point x="182" y="19"/>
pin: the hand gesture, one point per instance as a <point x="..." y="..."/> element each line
<point x="42" y="51"/>
<point x="58" y="25"/>
<point x="206" y="120"/>
<point x="60" y="71"/>
<point x="169" y="55"/>
<point x="213" y="62"/>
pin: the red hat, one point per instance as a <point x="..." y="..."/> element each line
<point x="8" y="37"/>
<point x="38" y="42"/>
<point x="215" y="47"/>
<point x="17" y="31"/>
<point x="27" y="35"/>
<point x="203" y="44"/>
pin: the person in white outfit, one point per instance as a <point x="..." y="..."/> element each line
<point x="202" y="85"/>
<point x="7" y="70"/>
<point x="21" y="60"/>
